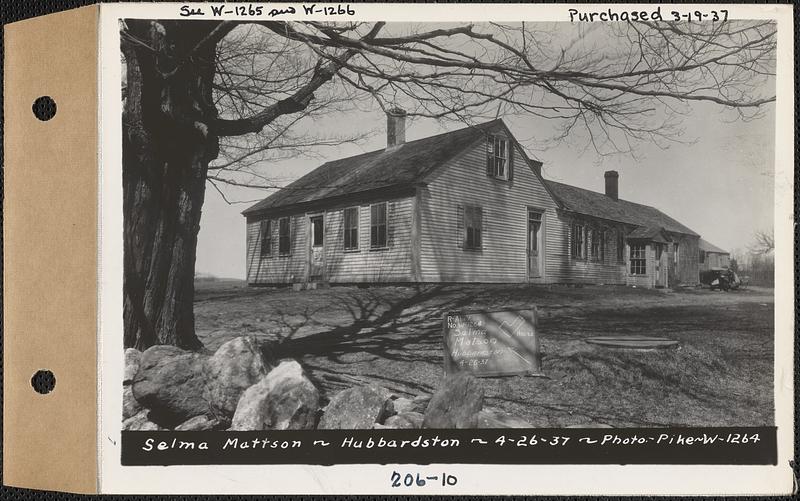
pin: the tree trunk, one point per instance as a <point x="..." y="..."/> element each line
<point x="166" y="150"/>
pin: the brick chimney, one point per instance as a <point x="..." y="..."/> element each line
<point x="395" y="127"/>
<point x="612" y="184"/>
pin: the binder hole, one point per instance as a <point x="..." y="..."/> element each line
<point x="44" y="108"/>
<point x="43" y="382"/>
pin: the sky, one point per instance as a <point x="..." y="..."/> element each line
<point x="718" y="181"/>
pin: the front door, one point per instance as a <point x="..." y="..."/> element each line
<point x="534" y="244"/>
<point x="316" y="254"/>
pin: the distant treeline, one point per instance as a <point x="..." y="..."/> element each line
<point x="760" y="269"/>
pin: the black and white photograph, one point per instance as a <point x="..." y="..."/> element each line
<point x="363" y="225"/>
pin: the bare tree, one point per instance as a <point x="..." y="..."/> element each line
<point x="764" y="243"/>
<point x="232" y="93"/>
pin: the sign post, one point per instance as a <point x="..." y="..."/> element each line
<point x="492" y="343"/>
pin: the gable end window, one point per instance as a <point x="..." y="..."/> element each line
<point x="266" y="237"/>
<point x="499" y="158"/>
<point x="578" y="241"/>
<point x="638" y="259"/>
<point x="378" y="226"/>
<point x="284" y="238"/>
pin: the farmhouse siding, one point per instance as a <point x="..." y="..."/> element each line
<point x="504" y="205"/>
<point x="391" y="263"/>
<point x="564" y="268"/>
<point x="274" y="268"/>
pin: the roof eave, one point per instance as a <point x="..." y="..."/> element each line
<point x="399" y="189"/>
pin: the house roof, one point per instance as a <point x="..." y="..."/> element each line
<point x="707" y="246"/>
<point x="592" y="203"/>
<point x="653" y="233"/>
<point x="403" y="165"/>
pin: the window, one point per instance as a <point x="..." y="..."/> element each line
<point x="597" y="244"/>
<point x="677" y="254"/>
<point x="473" y="223"/>
<point x="378" y="227"/>
<point x="638" y="259"/>
<point x="284" y="239"/>
<point x="602" y="245"/>
<point x="317" y="231"/>
<point x="499" y="159"/>
<point x="578" y="241"/>
<point x="351" y="228"/>
<point x="620" y="246"/>
<point x="702" y="257"/>
<point x="266" y="237"/>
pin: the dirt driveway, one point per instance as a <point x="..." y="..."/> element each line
<point x="720" y="376"/>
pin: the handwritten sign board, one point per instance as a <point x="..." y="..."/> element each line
<point x="492" y="343"/>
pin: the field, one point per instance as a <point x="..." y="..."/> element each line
<point x="721" y="375"/>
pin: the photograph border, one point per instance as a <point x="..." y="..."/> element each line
<point x="478" y="479"/>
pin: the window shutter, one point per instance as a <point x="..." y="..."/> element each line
<point x="490" y="156"/>
<point x="482" y="217"/>
<point x="343" y="228"/>
<point x="390" y="212"/>
<point x="511" y="160"/>
<point x="293" y="233"/>
<point x="460" y="233"/>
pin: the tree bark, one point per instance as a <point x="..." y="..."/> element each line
<point x="170" y="134"/>
<point x="166" y="150"/>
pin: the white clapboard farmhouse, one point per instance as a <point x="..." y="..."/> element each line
<point x="464" y="206"/>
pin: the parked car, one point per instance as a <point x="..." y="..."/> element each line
<point x="720" y="278"/>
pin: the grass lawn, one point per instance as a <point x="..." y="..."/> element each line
<point x="722" y="374"/>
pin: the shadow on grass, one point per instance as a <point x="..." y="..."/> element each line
<point x="392" y="336"/>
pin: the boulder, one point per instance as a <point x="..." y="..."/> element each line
<point x="405" y="405"/>
<point x="170" y="382"/>
<point x="284" y="399"/>
<point x="496" y="418"/>
<point x="200" y="423"/>
<point x="140" y="422"/>
<point x="237" y="365"/>
<point x="132" y="359"/>
<point x="455" y="404"/>
<point x="357" y="408"/>
<point x="405" y="420"/>
<point x="421" y="403"/>
<point x="130" y="407"/>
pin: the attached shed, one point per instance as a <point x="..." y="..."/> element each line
<point x="710" y="256"/>
<point x="615" y="241"/>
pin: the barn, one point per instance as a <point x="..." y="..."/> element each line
<point x="463" y="206"/>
